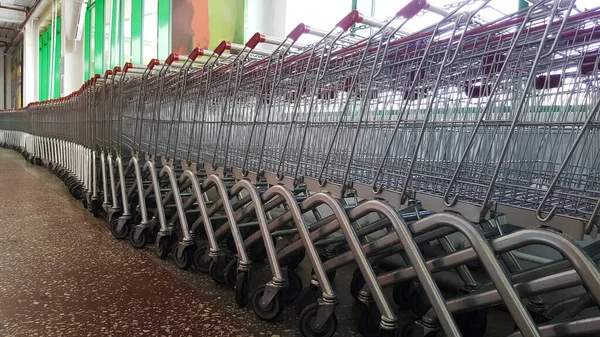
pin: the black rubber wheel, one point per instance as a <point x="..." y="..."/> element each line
<point x="231" y="273"/>
<point x="258" y="252"/>
<point x="201" y="259"/>
<point x="368" y="321"/>
<point x="306" y="297"/>
<point x="141" y="241"/>
<point x="84" y="202"/>
<point x="419" y="302"/>
<point x="271" y="311"/>
<point x="407" y="330"/>
<point x="472" y="323"/>
<point x="216" y="272"/>
<point x="230" y="242"/>
<point x="119" y="233"/>
<point x="292" y="288"/>
<point x="357" y="283"/>
<point x="187" y="256"/>
<point x="330" y="274"/>
<point x="164" y="246"/>
<point x="294" y="259"/>
<point x="307" y="323"/>
<point x="390" y="333"/>
<point x="401" y="294"/>
<point x="241" y="288"/>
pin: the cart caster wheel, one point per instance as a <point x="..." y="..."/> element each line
<point x="230" y="242"/>
<point x="119" y="233"/>
<point x="472" y="323"/>
<point x="257" y="252"/>
<point x="187" y="256"/>
<point x="292" y="288"/>
<point x="139" y="242"/>
<point x="294" y="259"/>
<point x="95" y="208"/>
<point x="407" y="330"/>
<point x="330" y="274"/>
<point x="164" y="246"/>
<point x="241" y="288"/>
<point x="402" y="294"/>
<point x="419" y="302"/>
<point x="216" y="272"/>
<point x="368" y="321"/>
<point x="271" y="311"/>
<point x="357" y="283"/>
<point x="306" y="297"/>
<point x="201" y="259"/>
<point x="307" y="323"/>
<point x="231" y="273"/>
<point x="390" y="333"/>
<point x="84" y="202"/>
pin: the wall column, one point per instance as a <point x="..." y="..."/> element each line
<point x="31" y="64"/>
<point x="72" y="51"/>
<point x="7" y="81"/>
<point x="266" y="17"/>
<point x="2" y="80"/>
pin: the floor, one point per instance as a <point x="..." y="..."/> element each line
<point x="63" y="274"/>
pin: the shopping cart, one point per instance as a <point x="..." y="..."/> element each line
<point x="464" y="129"/>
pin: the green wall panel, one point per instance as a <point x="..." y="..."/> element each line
<point x="164" y="28"/>
<point x="99" y="38"/>
<point x="57" y="55"/>
<point x="116" y="54"/>
<point x="137" y="8"/>
<point x="86" y="44"/>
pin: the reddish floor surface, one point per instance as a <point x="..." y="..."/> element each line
<point x="62" y="274"/>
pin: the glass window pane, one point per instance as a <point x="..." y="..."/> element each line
<point x="328" y="14"/>
<point x="107" y="32"/>
<point x="127" y="31"/>
<point x="92" y="42"/>
<point x="150" y="30"/>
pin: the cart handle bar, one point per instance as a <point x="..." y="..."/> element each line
<point x="261" y="38"/>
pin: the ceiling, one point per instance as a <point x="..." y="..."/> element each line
<point x="13" y="14"/>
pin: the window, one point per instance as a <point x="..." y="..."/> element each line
<point x="150" y="30"/>
<point x="127" y="31"/>
<point x="107" y="34"/>
<point x="91" y="41"/>
<point x="316" y="13"/>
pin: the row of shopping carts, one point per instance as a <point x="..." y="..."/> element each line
<point x="413" y="155"/>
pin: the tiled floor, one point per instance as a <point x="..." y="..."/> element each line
<point x="63" y="274"/>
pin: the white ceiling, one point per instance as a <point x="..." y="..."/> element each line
<point x="12" y="18"/>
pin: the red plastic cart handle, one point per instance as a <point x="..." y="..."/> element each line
<point x="127" y="66"/>
<point x="195" y="53"/>
<point x="298" y="31"/>
<point x="108" y="72"/>
<point x="255" y="40"/>
<point x="153" y="63"/>
<point x="412" y="8"/>
<point x="172" y="58"/>
<point x="357" y="17"/>
<point x="224" y="45"/>
<point x="116" y="70"/>
<point x="350" y="19"/>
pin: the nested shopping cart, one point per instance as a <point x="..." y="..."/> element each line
<point x="410" y="154"/>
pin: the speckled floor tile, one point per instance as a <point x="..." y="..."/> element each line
<point x="63" y="274"/>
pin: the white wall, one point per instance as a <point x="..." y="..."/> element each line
<point x="2" y="80"/>
<point x="31" y="52"/>
<point x="71" y="50"/>
<point x="266" y="17"/>
<point x="7" y="86"/>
